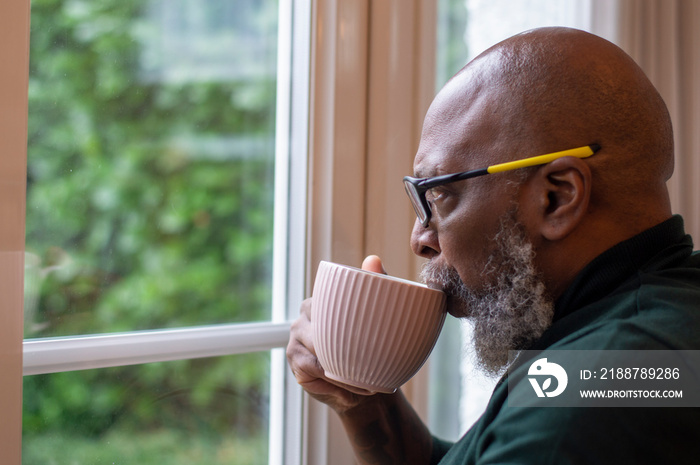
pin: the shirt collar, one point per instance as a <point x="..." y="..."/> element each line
<point x="655" y="248"/>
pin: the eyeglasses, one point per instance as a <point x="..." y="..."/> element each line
<point x="417" y="187"/>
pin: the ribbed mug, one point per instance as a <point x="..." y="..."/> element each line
<point x="373" y="332"/>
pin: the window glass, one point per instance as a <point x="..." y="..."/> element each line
<point x="205" y="411"/>
<point x="151" y="158"/>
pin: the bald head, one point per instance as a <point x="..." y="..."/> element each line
<point x="543" y="91"/>
<point x="555" y="88"/>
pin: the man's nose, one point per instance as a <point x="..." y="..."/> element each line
<point x="424" y="240"/>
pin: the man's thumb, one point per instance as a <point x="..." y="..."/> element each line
<point x="373" y="263"/>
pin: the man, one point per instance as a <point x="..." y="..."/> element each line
<point x="578" y="253"/>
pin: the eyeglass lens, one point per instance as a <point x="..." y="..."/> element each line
<point x="418" y="204"/>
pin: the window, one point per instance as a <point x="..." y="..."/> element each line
<point x="202" y="411"/>
<point x="151" y="160"/>
<point x="164" y="230"/>
<point x="364" y="120"/>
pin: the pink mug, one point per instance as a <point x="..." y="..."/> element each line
<point x="373" y="332"/>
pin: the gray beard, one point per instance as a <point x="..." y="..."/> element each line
<point x="511" y="311"/>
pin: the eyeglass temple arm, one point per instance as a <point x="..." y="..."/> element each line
<point x="580" y="152"/>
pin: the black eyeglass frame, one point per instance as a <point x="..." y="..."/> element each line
<point x="417" y="187"/>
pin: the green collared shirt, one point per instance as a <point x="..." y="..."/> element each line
<point x="642" y="294"/>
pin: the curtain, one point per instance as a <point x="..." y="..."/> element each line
<point x="663" y="37"/>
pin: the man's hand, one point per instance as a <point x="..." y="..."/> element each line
<point x="308" y="371"/>
<point x="305" y="366"/>
<point x="382" y="428"/>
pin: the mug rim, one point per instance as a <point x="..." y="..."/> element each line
<point x="381" y="275"/>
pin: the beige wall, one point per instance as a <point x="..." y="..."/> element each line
<point x="14" y="31"/>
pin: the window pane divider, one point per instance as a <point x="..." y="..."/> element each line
<point x="52" y="355"/>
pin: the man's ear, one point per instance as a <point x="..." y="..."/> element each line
<point x="558" y="195"/>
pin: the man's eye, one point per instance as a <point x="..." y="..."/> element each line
<point x="435" y="194"/>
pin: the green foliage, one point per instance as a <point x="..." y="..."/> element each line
<point x="224" y="395"/>
<point x="150" y="205"/>
<point x="156" y="447"/>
